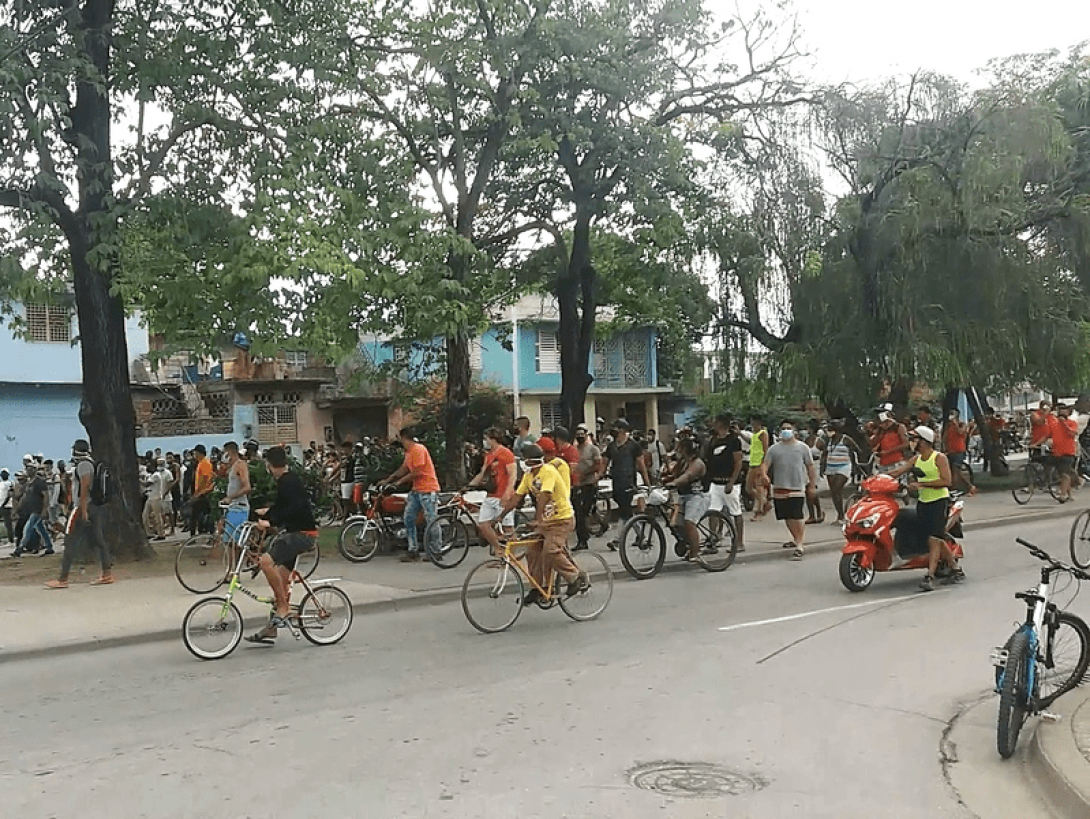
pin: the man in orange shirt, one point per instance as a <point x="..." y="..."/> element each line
<point x="203" y="479"/>
<point x="498" y="478"/>
<point x="418" y="470"/>
<point x="1063" y="433"/>
<point x="1040" y="428"/>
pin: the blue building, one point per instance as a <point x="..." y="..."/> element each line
<point x="624" y="366"/>
<point x="41" y="382"/>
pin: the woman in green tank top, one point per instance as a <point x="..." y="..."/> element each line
<point x="931" y="478"/>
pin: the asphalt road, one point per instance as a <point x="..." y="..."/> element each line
<point x="820" y="703"/>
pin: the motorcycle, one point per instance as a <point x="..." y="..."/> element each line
<point x="381" y="525"/>
<point x="881" y="535"/>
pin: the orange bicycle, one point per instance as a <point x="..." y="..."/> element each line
<point x="494" y="592"/>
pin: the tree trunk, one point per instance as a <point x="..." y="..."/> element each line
<point x="106" y="410"/>
<point x="456" y="410"/>
<point x="993" y="451"/>
<point x="576" y="297"/>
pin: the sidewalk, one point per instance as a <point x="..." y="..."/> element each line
<point x="34" y="621"/>
<point x="1060" y="756"/>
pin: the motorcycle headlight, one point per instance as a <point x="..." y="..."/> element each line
<point x="869" y="522"/>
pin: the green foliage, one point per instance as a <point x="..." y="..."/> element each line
<point x="746" y="399"/>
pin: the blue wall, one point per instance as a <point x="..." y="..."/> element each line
<point x="38" y="419"/>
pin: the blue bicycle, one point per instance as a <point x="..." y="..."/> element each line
<point x="1045" y="658"/>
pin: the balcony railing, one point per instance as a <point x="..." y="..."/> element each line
<point x="622" y="362"/>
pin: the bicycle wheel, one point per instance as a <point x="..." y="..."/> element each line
<point x="307" y="562"/>
<point x="359" y="540"/>
<point x="1052" y="476"/>
<point x="492" y="596"/>
<point x="446" y="542"/>
<point x="201" y="564"/>
<point x="1024" y="491"/>
<point x="592" y="601"/>
<point x="1013" y="694"/>
<point x="642" y="546"/>
<point x="325" y="615"/>
<point x="718" y="541"/>
<point x="598" y="517"/>
<point x="1066" y="657"/>
<point x="212" y="628"/>
<point x="1080" y="540"/>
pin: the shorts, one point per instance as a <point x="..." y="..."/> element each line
<point x="845" y="471"/>
<point x="232" y="522"/>
<point x="956" y="459"/>
<point x="693" y="506"/>
<point x="490" y="510"/>
<point x="287" y="546"/>
<point x="884" y="469"/>
<point x="930" y="521"/>
<point x="1065" y="464"/>
<point x="719" y="499"/>
<point x="346" y="491"/>
<point x="788" y="508"/>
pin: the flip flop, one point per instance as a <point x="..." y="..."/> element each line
<point x="260" y="639"/>
<point x="789" y="544"/>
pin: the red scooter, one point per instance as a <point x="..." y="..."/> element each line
<point x="881" y="535"/>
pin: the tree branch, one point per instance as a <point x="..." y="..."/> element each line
<point x="38" y="197"/>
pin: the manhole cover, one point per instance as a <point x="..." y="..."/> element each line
<point x="693" y="780"/>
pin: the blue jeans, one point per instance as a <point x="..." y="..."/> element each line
<point x="417" y="501"/>
<point x="35" y="522"/>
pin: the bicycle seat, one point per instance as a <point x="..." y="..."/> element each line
<point x="1029" y="596"/>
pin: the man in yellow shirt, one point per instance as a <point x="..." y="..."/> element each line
<point x="555" y="520"/>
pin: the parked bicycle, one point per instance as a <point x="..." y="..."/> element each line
<point x="1038" y="475"/>
<point x="204" y="562"/>
<point x="642" y="542"/>
<point x="454" y="530"/>
<point x="494" y="591"/>
<point x="212" y="628"/>
<point x="1079" y="541"/>
<point x="1045" y="658"/>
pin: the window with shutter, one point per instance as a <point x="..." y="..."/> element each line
<point x="547" y="359"/>
<point x="46" y="322"/>
<point x="551" y="415"/>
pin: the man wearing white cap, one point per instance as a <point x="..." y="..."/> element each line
<point x="931" y="478"/>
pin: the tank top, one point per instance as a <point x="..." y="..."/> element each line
<point x="756" y="449"/>
<point x="840" y="456"/>
<point x="234" y="485"/>
<point x="930" y="469"/>
<point x="890" y="439"/>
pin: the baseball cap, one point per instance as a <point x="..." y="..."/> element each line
<point x="621" y="423"/>
<point x="926" y="433"/>
<point x="80" y="446"/>
<point x="546" y="445"/>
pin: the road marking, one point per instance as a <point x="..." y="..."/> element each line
<point x="816" y="612"/>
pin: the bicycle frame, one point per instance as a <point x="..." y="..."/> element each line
<point x="1033" y="627"/>
<point x="513" y="561"/>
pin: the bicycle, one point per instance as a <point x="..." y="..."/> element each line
<point x="1079" y="541"/>
<point x="494" y="591"/>
<point x="1031" y="672"/>
<point x="447" y="538"/>
<point x="212" y="628"/>
<point x="1037" y="475"/>
<point x="203" y="563"/>
<point x="642" y="542"/>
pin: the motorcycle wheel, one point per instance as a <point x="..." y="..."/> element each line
<point x="855" y="578"/>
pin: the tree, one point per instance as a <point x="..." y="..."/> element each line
<point x="626" y="90"/>
<point x="69" y="71"/>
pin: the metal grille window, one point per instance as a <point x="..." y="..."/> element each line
<point x="547" y="359"/>
<point x="552" y="416"/>
<point x="219" y="405"/>
<point x="295" y="358"/>
<point x="276" y="424"/>
<point x="48" y="323"/>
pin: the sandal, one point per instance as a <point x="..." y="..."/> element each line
<point x="798" y="553"/>
<point x="788" y="544"/>
<point x="260" y="638"/>
<point x="811" y="520"/>
<point x="105" y="580"/>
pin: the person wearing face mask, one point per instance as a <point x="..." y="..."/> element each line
<point x="497" y="476"/>
<point x="1040" y="428"/>
<point x="790" y="468"/>
<point x="890" y="442"/>
<point x="1063" y="437"/>
<point x="955" y="442"/>
<point x="932" y="481"/>
<point x="585" y="474"/>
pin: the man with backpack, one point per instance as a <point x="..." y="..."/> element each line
<point x="84" y="527"/>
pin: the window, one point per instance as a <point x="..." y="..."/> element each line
<point x="476" y="355"/>
<point x="48" y="323"/>
<point x="402" y="352"/>
<point x="547" y="359"/>
<point x="295" y="358"/>
<point x="551" y="415"/>
<point x="276" y="424"/>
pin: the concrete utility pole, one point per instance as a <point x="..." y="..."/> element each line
<point x="515" y="359"/>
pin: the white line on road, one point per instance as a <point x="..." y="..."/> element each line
<point x="883" y="601"/>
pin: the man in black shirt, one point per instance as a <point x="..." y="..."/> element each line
<point x="33" y="507"/>
<point x="723" y="458"/>
<point x="624" y="458"/>
<point x="291" y="512"/>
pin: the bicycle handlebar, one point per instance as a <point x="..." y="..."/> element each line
<point x="1044" y="556"/>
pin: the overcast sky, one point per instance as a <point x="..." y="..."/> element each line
<point x="869" y="39"/>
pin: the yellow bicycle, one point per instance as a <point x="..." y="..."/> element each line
<point x="494" y="592"/>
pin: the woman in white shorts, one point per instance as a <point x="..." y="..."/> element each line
<point x="686" y="478"/>
<point x="837" y="458"/>
<point x="497" y="475"/>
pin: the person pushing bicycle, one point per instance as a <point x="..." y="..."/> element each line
<point x="555" y="520"/>
<point x="292" y="513"/>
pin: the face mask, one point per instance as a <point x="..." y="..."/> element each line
<point x="487" y="444"/>
<point x="953" y="416"/>
<point x="787" y="434"/>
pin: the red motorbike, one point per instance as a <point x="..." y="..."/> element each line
<point x="881" y="535"/>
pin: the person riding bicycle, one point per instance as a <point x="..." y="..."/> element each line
<point x="1040" y="421"/>
<point x="686" y="478"/>
<point x="554" y="520"/>
<point x="1063" y="436"/>
<point x="292" y="513"/>
<point x="497" y="476"/>
<point x="237" y="498"/>
<point x="931" y="478"/>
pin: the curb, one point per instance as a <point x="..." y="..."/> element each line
<point x="446" y="595"/>
<point x="1060" y="771"/>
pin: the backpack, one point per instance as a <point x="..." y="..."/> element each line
<point x="102" y="484"/>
